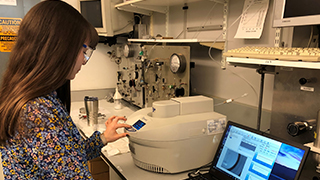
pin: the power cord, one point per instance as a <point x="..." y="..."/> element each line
<point x="231" y="100"/>
<point x="245" y="11"/>
<point x="197" y="172"/>
<point x="209" y="51"/>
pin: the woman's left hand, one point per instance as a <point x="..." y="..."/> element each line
<point x="112" y="125"/>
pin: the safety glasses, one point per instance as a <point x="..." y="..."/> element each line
<point x="87" y="53"/>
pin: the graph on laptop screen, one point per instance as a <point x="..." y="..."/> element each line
<point x="246" y="155"/>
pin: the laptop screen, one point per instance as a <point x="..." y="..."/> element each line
<point x="246" y="154"/>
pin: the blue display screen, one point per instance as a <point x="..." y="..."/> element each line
<point x="139" y="124"/>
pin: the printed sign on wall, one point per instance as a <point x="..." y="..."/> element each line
<point x="8" y="33"/>
<point x="8" y="2"/>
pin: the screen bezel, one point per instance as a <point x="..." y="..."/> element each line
<point x="221" y="175"/>
<point x="279" y="21"/>
<point x="106" y="28"/>
<point x="138" y="123"/>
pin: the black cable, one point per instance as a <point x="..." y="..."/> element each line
<point x="198" y="171"/>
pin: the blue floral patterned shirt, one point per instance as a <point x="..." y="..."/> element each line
<point x="53" y="149"/>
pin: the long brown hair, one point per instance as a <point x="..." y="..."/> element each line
<point x="49" y="39"/>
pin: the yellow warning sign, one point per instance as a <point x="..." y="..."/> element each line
<point x="8" y="32"/>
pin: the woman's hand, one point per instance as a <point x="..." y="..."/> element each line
<point x="112" y="125"/>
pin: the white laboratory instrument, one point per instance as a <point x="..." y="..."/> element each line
<point x="175" y="135"/>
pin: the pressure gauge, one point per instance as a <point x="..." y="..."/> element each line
<point x="127" y="51"/>
<point x="177" y="63"/>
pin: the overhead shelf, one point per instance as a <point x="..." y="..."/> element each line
<point x="146" y="7"/>
<point x="142" y="7"/>
<point x="216" y="45"/>
<point x="158" y="2"/>
<point x="266" y="62"/>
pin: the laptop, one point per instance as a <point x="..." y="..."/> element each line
<point x="248" y="154"/>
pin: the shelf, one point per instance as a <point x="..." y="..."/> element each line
<point x="165" y="40"/>
<point x="175" y="40"/>
<point x="266" y="62"/>
<point x="217" y="45"/>
<point x="159" y="2"/>
<point x="146" y="7"/>
<point x="141" y="7"/>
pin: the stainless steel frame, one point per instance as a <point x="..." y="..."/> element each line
<point x="293" y="101"/>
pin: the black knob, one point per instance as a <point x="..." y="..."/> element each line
<point x="185" y="7"/>
<point x="179" y="92"/>
<point x="303" y="81"/>
<point x="296" y="128"/>
<point x="119" y="75"/>
<point x="315" y="178"/>
<point x="132" y="83"/>
<point x="192" y="64"/>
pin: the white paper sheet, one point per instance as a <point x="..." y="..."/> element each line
<point x="8" y="2"/>
<point x="120" y="146"/>
<point x="252" y="21"/>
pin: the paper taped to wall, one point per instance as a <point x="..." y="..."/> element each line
<point x="8" y="2"/>
<point x="252" y="20"/>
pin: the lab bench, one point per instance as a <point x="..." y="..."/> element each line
<point x="121" y="165"/>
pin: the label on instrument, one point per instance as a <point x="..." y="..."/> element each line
<point x="304" y="88"/>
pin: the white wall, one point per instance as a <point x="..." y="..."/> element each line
<point x="99" y="72"/>
<point x="74" y="3"/>
<point x="208" y="78"/>
<point x="198" y="14"/>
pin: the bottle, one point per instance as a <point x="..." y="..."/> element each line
<point x="117" y="99"/>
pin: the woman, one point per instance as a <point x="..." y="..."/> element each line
<point x="38" y="139"/>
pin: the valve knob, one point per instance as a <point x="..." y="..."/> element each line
<point x="296" y="128"/>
